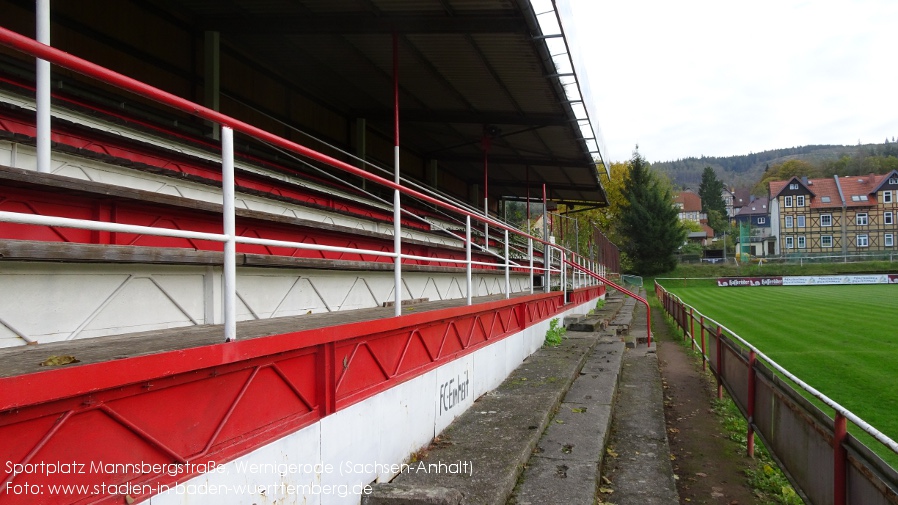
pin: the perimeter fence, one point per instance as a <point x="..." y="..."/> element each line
<point x="825" y="464"/>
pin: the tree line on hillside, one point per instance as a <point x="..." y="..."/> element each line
<point x="641" y="217"/>
<point x="876" y="160"/>
<point x="746" y="170"/>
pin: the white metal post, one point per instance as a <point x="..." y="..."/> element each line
<point x="507" y="269"/>
<point x="547" y="260"/>
<point x="42" y="98"/>
<point x="563" y="274"/>
<point x="397" y="240"/>
<point x="397" y="209"/>
<point x="530" y="255"/>
<point x="230" y="230"/>
<point x="468" y="282"/>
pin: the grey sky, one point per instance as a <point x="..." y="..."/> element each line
<point x="721" y="78"/>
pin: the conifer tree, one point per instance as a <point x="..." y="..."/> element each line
<point x="711" y="192"/>
<point x="649" y="222"/>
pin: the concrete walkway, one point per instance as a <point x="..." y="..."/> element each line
<point x="545" y="434"/>
<point x="637" y="467"/>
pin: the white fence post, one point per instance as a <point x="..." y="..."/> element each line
<point x="230" y="230"/>
<point x="507" y="268"/>
<point x="468" y="257"/>
<point x="42" y="96"/>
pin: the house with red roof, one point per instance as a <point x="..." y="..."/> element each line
<point x="844" y="215"/>
<point x="689" y="206"/>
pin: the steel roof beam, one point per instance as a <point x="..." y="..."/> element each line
<point x="518" y="160"/>
<point x="350" y="24"/>
<point x="468" y="117"/>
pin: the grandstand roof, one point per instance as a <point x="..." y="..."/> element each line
<point x="464" y="66"/>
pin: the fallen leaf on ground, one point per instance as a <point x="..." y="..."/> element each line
<point x="59" y="360"/>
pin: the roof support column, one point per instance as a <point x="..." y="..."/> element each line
<point x="486" y="210"/>
<point x="397" y="214"/>
<point x="42" y="98"/>
<point x="431" y="175"/>
<point x="361" y="141"/>
<point x="212" y="75"/>
<point x="547" y="252"/>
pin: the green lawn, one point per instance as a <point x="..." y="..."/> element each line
<point x="842" y="340"/>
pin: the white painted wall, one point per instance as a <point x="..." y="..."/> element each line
<point x="384" y="430"/>
<point x="52" y="302"/>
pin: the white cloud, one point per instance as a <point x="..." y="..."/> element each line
<point x="703" y="77"/>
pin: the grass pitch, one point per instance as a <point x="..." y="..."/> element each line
<point x="842" y="340"/>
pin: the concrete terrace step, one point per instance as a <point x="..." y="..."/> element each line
<point x="549" y="420"/>
<point x="564" y="469"/>
<point x="599" y="320"/>
<point x="495" y="437"/>
<point x="640" y="472"/>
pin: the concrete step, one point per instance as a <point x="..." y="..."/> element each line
<point x="549" y="420"/>
<point x="588" y="324"/>
<point x="495" y="437"/>
<point x="565" y="466"/>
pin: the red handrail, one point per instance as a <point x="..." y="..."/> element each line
<point x="63" y="59"/>
<point x="648" y="310"/>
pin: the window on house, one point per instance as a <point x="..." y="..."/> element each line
<point x="862" y="241"/>
<point x="787" y="201"/>
<point x="888" y="218"/>
<point x="826" y="241"/>
<point x="889" y="240"/>
<point x="799" y="201"/>
<point x="801" y="221"/>
<point x="826" y="219"/>
<point x="790" y="242"/>
<point x="762" y="220"/>
<point x="886" y="197"/>
<point x="861" y="219"/>
<point x="793" y="186"/>
<point x="801" y="242"/>
<point x="893" y="180"/>
<point x="789" y="220"/>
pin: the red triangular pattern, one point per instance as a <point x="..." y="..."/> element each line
<point x="432" y="335"/>
<point x="93" y="436"/>
<point x="184" y="416"/>
<point x="267" y="400"/>
<point x="388" y="349"/>
<point x="301" y="373"/>
<point x="470" y="330"/>
<point x="416" y="354"/>
<point x="358" y="371"/>
<point x="20" y="438"/>
<point x="452" y="342"/>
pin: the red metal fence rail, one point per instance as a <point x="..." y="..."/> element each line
<point x="826" y="464"/>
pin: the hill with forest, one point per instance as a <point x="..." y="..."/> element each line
<point x="745" y="171"/>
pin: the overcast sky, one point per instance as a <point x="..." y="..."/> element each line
<point x="720" y="78"/>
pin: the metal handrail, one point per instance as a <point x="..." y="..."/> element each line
<point x="860" y="423"/>
<point x="44" y="52"/>
<point x="648" y="310"/>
